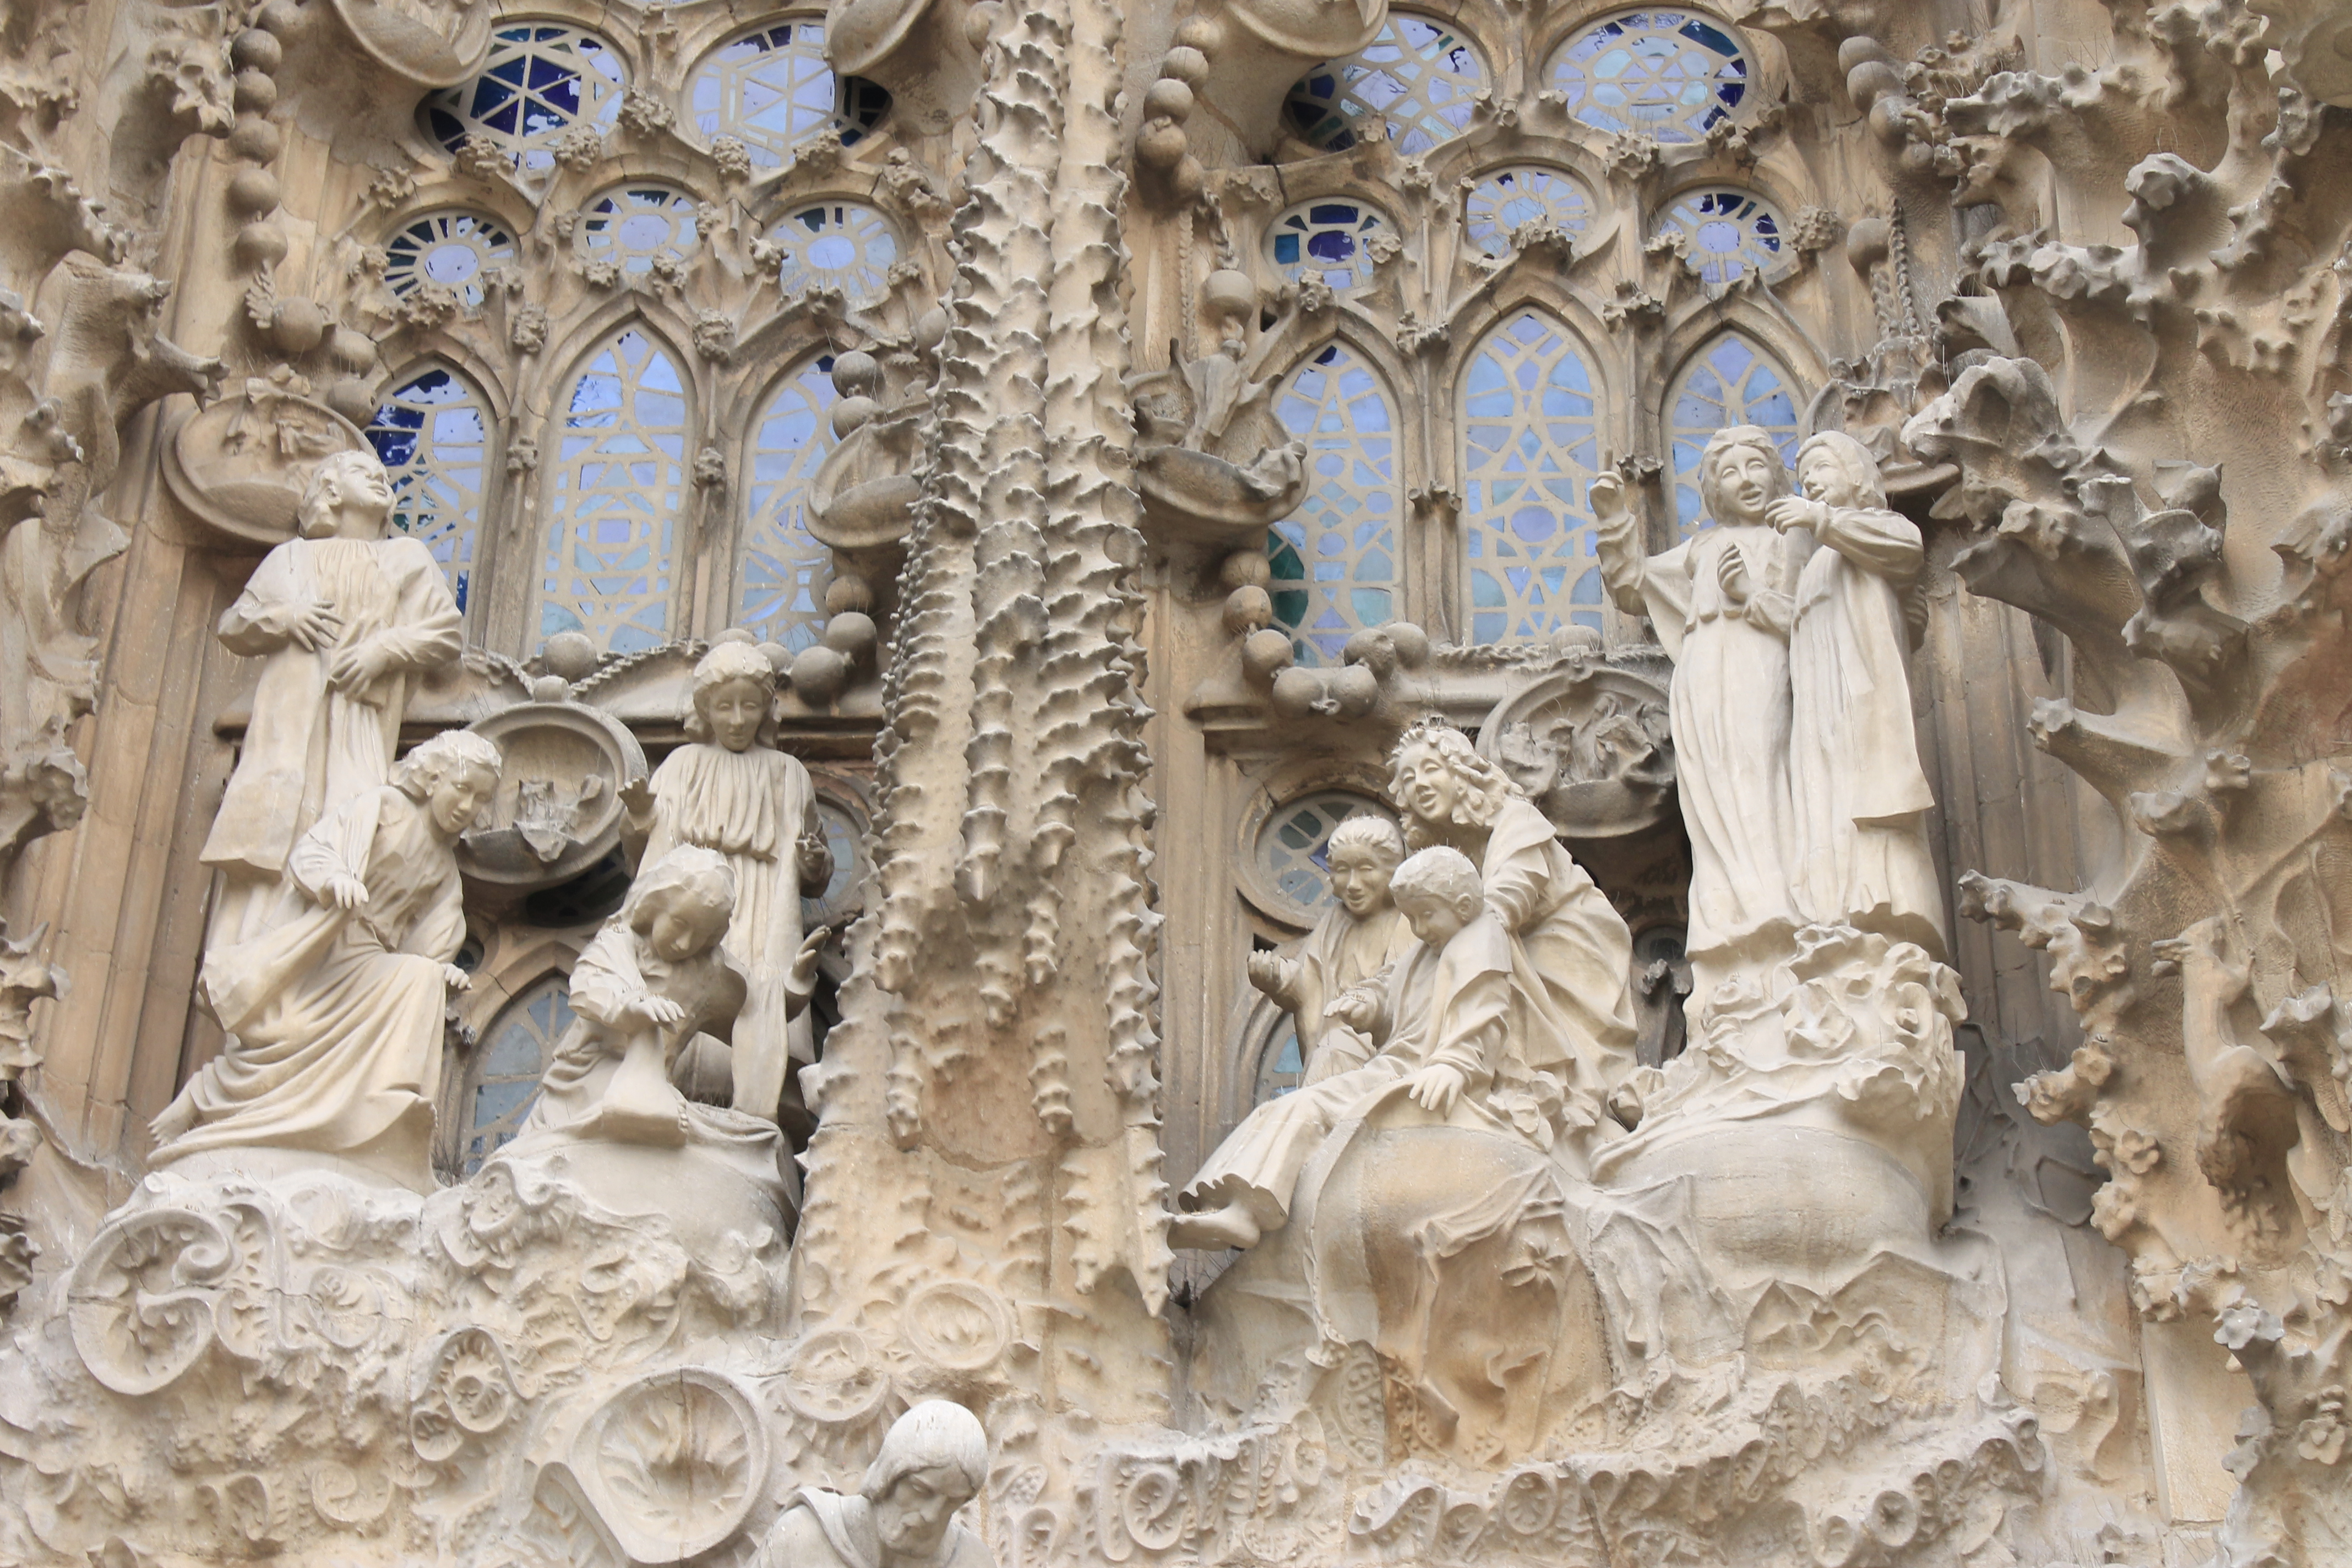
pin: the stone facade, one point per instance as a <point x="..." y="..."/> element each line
<point x="1193" y="785"/>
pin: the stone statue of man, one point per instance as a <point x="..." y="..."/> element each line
<point x="345" y="620"/>
<point x="934" y="1459"/>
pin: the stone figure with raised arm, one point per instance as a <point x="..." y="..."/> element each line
<point x="727" y="791"/>
<point x="1858" y="788"/>
<point x="345" y="621"/>
<point x="934" y="1459"/>
<point x="1361" y="934"/>
<point x="1434" y="1030"/>
<point x="334" y="1012"/>
<point x="1721" y="603"/>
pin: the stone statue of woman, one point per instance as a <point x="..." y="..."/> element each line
<point x="1722" y="605"/>
<point x="1860" y="792"/>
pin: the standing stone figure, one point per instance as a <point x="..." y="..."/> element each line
<point x="346" y="619"/>
<point x="1721" y="603"/>
<point x="335" y="1011"/>
<point x="1860" y="792"/>
<point x="755" y="805"/>
<point x="1361" y="934"/>
<point x="933" y="1460"/>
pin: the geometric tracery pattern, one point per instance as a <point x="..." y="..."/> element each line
<point x="835" y="245"/>
<point x="453" y="249"/>
<point x="1667" y="74"/>
<point x="1417" y="76"/>
<point x="1328" y="236"/>
<point x="619" y="486"/>
<point x="540" y="77"/>
<point x="773" y="90"/>
<point x="785" y="569"/>
<point x="1335" y="559"/>
<point x="513" y="1057"/>
<point x="1501" y="204"/>
<point x="1730" y="381"/>
<point x="432" y="434"/>
<point x="1529" y="448"/>
<point x="1728" y="233"/>
<point x="631" y="226"/>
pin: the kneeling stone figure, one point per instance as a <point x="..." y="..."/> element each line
<point x="934" y="1459"/>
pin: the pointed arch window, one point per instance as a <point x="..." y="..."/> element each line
<point x="453" y="250"/>
<point x="1335" y="559"/>
<point x="786" y="569"/>
<point x="1731" y="380"/>
<point x="772" y="88"/>
<point x="540" y="80"/>
<point x="618" y="486"/>
<point x="1417" y="76"/>
<point x="502" y="1081"/>
<point x="433" y="435"/>
<point x="1529" y="448"/>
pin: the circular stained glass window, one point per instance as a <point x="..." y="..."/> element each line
<point x="540" y="80"/>
<point x="773" y="90"/>
<point x="1327" y="237"/>
<point x="1666" y="74"/>
<point x="631" y="227"/>
<point x="1293" y="847"/>
<point x="453" y="250"/>
<point x="1417" y="76"/>
<point x="836" y="244"/>
<point x="1728" y="235"/>
<point x="1502" y="204"/>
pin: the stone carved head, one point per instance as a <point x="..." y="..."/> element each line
<point x="345" y="485"/>
<point x="733" y="686"/>
<point x="1440" y="892"/>
<point x="933" y="1460"/>
<point x="1740" y="474"/>
<point x="1362" y="854"/>
<point x="1833" y="467"/>
<point x="682" y="903"/>
<point x="453" y="774"/>
<point x="1439" y="781"/>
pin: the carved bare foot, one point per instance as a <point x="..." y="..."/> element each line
<point x="1212" y="1231"/>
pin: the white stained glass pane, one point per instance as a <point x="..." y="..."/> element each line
<point x="1728" y="233"/>
<point x="1730" y="381"/>
<point x="509" y="1065"/>
<point x="433" y="435"/>
<point x="836" y="244"/>
<point x="631" y="226"/>
<point x="540" y="80"/>
<point x="1335" y="559"/>
<point x="1418" y="76"/>
<point x="1667" y="74"/>
<point x="1294" y="846"/>
<point x="1529" y="452"/>
<point x="453" y="250"/>
<point x="773" y="89"/>
<point x="619" y="486"/>
<point x="785" y="570"/>
<point x="1281" y="1068"/>
<point x="1502" y="204"/>
<point x="1325" y="238"/>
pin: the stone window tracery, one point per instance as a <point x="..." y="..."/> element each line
<point x="619" y="485"/>
<point x="1293" y="845"/>
<point x="1731" y="380"/>
<point x="542" y="78"/>
<point x="433" y="435"/>
<point x="835" y="245"/>
<point x="502" y="1081"/>
<point x="1666" y="74"/>
<point x="773" y="90"/>
<point x="1335" y="559"/>
<point x="451" y="250"/>
<point x="1327" y="237"/>
<point x="1728" y="234"/>
<point x="1529" y="448"/>
<point x="1501" y="204"/>
<point x="786" y="569"/>
<point x="636" y="226"/>
<point x="1417" y="76"/>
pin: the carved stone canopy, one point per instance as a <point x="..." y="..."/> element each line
<point x="558" y="810"/>
<point x="1588" y="743"/>
<point x="239" y="463"/>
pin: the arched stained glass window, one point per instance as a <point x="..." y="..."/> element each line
<point x="1667" y="74"/>
<point x="773" y="90"/>
<point x="785" y="570"/>
<point x="1508" y="200"/>
<point x="504" y="1078"/>
<point x="1325" y="238"/>
<point x="433" y="434"/>
<point x="451" y="249"/>
<point x="1730" y="381"/>
<point x="631" y="226"/>
<point x="540" y="80"/>
<point x="1728" y="233"/>
<point x="1418" y="76"/>
<point x="1335" y="559"/>
<point x="1294" y="846"/>
<point x="618" y="486"/>
<point x="835" y="245"/>
<point x="1529" y="451"/>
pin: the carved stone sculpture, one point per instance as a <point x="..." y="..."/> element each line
<point x="933" y="1460"/>
<point x="1359" y="936"/>
<point x="1215" y="466"/>
<point x="344" y="619"/>
<point x="755" y="804"/>
<point x="334" y="1008"/>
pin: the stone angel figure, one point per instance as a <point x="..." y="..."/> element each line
<point x="934" y="1459"/>
<point x="345" y="621"/>
<point x="1360" y="935"/>
<point x="1722" y="605"/>
<point x="334" y="1012"/>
